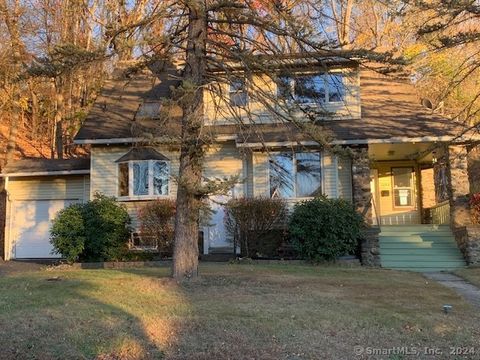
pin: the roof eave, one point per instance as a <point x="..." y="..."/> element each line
<point x="46" y="173"/>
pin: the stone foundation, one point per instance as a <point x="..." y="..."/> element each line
<point x="468" y="240"/>
<point x="370" y="247"/>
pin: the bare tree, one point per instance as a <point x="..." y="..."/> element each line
<point x="10" y="14"/>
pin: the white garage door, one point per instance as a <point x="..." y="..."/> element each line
<point x="31" y="221"/>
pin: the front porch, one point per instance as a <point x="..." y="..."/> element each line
<point x="408" y="184"/>
<point x="413" y="191"/>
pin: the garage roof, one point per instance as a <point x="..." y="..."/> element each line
<point x="44" y="167"/>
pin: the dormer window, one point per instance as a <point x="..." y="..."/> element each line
<point x="148" y="110"/>
<point x="142" y="173"/>
<point x="238" y="93"/>
<point x="312" y="88"/>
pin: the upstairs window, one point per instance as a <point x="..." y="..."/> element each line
<point x="295" y="175"/>
<point x="143" y="172"/>
<point x="312" y="89"/>
<point x="238" y="93"/>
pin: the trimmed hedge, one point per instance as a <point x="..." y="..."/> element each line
<point x="324" y="229"/>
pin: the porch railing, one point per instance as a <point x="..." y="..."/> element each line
<point x="441" y="213"/>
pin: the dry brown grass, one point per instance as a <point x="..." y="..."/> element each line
<point x="231" y="312"/>
<point x="470" y="274"/>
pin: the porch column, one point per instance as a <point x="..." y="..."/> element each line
<point x="362" y="200"/>
<point x="463" y="179"/>
<point x="362" y="196"/>
<point x="458" y="185"/>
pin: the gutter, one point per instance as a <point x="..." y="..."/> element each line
<point x="133" y="140"/>
<point x="396" y="140"/>
<point x="393" y="140"/>
<point x="45" y="173"/>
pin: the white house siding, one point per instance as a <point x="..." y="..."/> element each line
<point x="261" y="185"/>
<point x="218" y="112"/>
<point x="29" y="195"/>
<point x="344" y="183"/>
<point x="221" y="161"/>
<point x="104" y="174"/>
<point x="49" y="188"/>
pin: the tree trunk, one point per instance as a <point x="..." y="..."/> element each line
<point x="58" y="130"/>
<point x="185" y="256"/>
<point x="34" y="114"/>
<point x="12" y="135"/>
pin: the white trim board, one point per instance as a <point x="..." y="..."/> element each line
<point x="398" y="140"/>
<point x="46" y="173"/>
<point x="114" y="141"/>
<point x="220" y="138"/>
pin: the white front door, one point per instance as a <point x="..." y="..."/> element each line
<point x="30" y="224"/>
<point x="217" y="236"/>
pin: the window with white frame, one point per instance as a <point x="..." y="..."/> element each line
<point x="312" y="88"/>
<point x="295" y="175"/>
<point x="143" y="178"/>
<point x="238" y="93"/>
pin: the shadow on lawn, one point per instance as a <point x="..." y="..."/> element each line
<point x="67" y="318"/>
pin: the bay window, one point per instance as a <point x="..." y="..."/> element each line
<point x="143" y="172"/>
<point x="295" y="175"/>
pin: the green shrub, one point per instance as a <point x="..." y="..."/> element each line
<point x="95" y="231"/>
<point x="324" y="229"/>
<point x="68" y="232"/>
<point x="157" y="223"/>
<point x="247" y="220"/>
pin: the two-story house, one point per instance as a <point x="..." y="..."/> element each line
<point x="403" y="165"/>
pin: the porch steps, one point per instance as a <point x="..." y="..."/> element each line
<point x="421" y="248"/>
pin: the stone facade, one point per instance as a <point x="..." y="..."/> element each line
<point x="468" y="240"/>
<point x="362" y="196"/>
<point x="458" y="186"/>
<point x="474" y="168"/>
<point x="362" y="199"/>
<point x="370" y="247"/>
<point x="463" y="179"/>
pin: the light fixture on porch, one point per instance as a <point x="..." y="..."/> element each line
<point x="434" y="157"/>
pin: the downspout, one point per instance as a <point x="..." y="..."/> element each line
<point x="6" y="227"/>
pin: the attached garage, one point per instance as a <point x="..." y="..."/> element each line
<point x="36" y="191"/>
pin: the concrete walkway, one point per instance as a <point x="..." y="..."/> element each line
<point x="469" y="292"/>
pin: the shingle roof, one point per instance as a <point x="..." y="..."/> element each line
<point x="142" y="153"/>
<point x="114" y="114"/>
<point x="390" y="109"/>
<point x="35" y="166"/>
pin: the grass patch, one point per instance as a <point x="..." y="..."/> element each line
<point x="470" y="274"/>
<point x="232" y="311"/>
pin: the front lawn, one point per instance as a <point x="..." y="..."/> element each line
<point x="471" y="274"/>
<point x="233" y="311"/>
